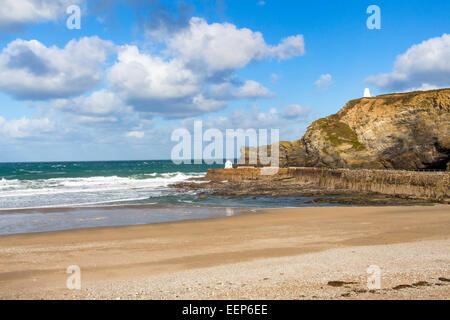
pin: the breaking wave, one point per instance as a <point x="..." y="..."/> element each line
<point x="15" y="193"/>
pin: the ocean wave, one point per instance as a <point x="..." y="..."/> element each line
<point x="79" y="191"/>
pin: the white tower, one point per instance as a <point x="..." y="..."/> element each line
<point x="367" y="93"/>
<point x="228" y="165"/>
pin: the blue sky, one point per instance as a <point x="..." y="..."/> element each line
<point x="137" y="70"/>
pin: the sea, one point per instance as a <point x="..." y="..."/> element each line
<point x="50" y="196"/>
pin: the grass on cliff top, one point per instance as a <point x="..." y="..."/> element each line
<point x="411" y="93"/>
<point x="402" y="98"/>
<point x="338" y="132"/>
<point x="407" y="97"/>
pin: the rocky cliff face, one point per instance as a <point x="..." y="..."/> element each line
<point x="402" y="131"/>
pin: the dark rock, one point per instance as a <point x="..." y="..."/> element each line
<point x="402" y="286"/>
<point x="338" y="283"/>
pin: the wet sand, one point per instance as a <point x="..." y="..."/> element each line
<point x="298" y="253"/>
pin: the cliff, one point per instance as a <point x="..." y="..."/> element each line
<point x="396" y="131"/>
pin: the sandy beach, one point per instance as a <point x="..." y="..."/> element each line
<point x="298" y="253"/>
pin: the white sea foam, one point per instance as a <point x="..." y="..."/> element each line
<point x="81" y="191"/>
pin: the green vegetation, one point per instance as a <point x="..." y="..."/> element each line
<point x="338" y="132"/>
<point x="349" y="106"/>
<point x="427" y="103"/>
<point x="411" y="93"/>
<point x="406" y="98"/>
<point x="286" y="144"/>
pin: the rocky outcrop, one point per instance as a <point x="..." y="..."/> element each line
<point x="396" y="131"/>
<point x="358" y="186"/>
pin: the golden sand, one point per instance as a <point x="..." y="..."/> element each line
<point x="279" y="253"/>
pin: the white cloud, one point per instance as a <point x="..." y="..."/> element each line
<point x="289" y="47"/>
<point x="99" y="103"/>
<point x="30" y="70"/>
<point x="142" y="76"/>
<point x="24" y="127"/>
<point x="423" y="66"/>
<point x="173" y="84"/>
<point x="93" y="119"/>
<point x="14" y="13"/>
<point x="252" y="89"/>
<point x="324" y="81"/>
<point x="220" y="47"/>
<point x="136" y="134"/>
<point x="206" y="105"/>
<point x="249" y="89"/>
<point x="423" y="87"/>
<point x="193" y="74"/>
<point x="159" y="87"/>
<point x="295" y="112"/>
<point x="275" y="77"/>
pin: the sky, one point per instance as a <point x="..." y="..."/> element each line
<point x="118" y="85"/>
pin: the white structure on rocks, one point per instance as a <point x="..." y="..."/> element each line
<point x="367" y="93"/>
<point x="228" y="165"/>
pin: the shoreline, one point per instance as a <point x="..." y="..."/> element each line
<point x="200" y="205"/>
<point x="242" y="211"/>
<point x="234" y="211"/>
<point x="239" y="211"/>
<point x="117" y="262"/>
<point x="166" y="205"/>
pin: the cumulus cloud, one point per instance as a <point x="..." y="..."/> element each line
<point x="249" y="89"/>
<point x="81" y="119"/>
<point x="289" y="47"/>
<point x="295" y="112"/>
<point x="159" y="87"/>
<point x="252" y="89"/>
<point x="102" y="104"/>
<point x="219" y="47"/>
<point x="193" y="75"/>
<point x="423" y="66"/>
<point x="25" y="127"/>
<point x="324" y="81"/>
<point x="142" y="76"/>
<point x="99" y="103"/>
<point x="15" y="13"/>
<point x="136" y="134"/>
<point x="30" y="70"/>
